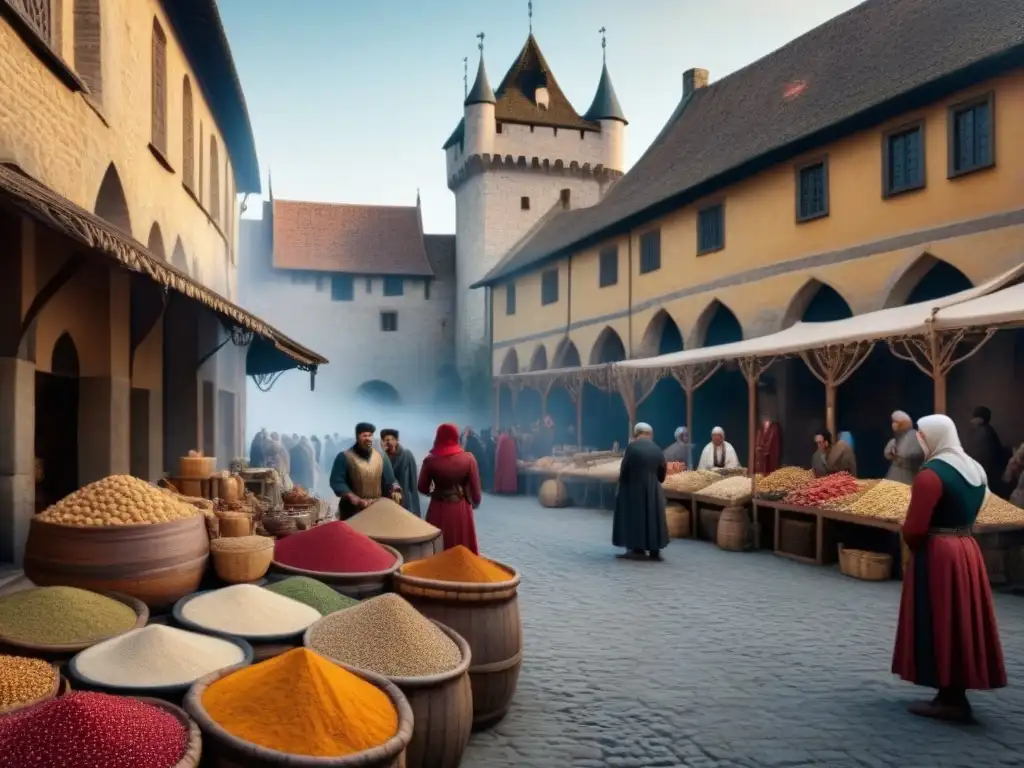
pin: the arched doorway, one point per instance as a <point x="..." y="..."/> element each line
<point x="378" y="393"/>
<point x="722" y="401"/>
<point x="111" y="203"/>
<point x="927" y="279"/>
<point x="566" y="355"/>
<point x="665" y="408"/>
<point x="510" y="364"/>
<point x="790" y="393"/>
<point x="155" y="245"/>
<point x="56" y="424"/>
<point x="605" y="419"/>
<point x="539" y="360"/>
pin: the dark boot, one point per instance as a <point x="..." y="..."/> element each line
<point x="655" y="554"/>
<point x="632" y="554"/>
<point x="950" y="705"/>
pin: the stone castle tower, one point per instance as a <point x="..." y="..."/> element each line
<point x="518" y="155"/>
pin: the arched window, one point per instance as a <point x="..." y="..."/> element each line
<point x="188" y="136"/>
<point x="202" y="164"/>
<point x="88" y="46"/>
<point x="159" y="106"/>
<point x="215" y="201"/>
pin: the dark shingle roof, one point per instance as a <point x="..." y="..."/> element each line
<point x="606" y="104"/>
<point x="358" y="239"/>
<point x="881" y="58"/>
<point x="457" y="135"/>
<point x="516" y="94"/>
<point x="198" y="27"/>
<point x="481" y="92"/>
<point x="441" y="255"/>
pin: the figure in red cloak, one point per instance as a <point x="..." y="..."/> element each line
<point x="506" y="469"/>
<point x="768" y="447"/>
<point x="450" y="477"/>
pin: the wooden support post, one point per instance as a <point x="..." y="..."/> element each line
<point x="938" y="373"/>
<point x="830" y="409"/>
<point x="579" y="417"/>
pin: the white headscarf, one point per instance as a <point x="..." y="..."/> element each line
<point x="642" y="428"/>
<point x="943" y="444"/>
<point x="680" y="431"/>
<point x="718" y="431"/>
<point x="901" y="416"/>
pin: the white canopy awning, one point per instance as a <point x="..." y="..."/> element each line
<point x="1003" y="307"/>
<point x="909" y="320"/>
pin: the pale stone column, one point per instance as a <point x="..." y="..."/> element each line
<point x="17" y="455"/>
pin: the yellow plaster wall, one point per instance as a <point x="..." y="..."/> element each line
<point x="56" y="136"/>
<point x="761" y="230"/>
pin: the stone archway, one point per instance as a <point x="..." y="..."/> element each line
<point x="927" y="279"/>
<point x="662" y="336"/>
<point x="539" y="360"/>
<point x="155" y="244"/>
<point x="716" y="325"/>
<point x="511" y="363"/>
<point x="379" y="393"/>
<point x="608" y="348"/>
<point x="56" y="423"/>
<point x="111" y="202"/>
<point x="816" y="302"/>
<point x="566" y="355"/>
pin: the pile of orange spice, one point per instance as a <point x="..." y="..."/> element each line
<point x="457" y="564"/>
<point x="300" y="703"/>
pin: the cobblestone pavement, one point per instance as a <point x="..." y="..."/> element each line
<point x="715" y="659"/>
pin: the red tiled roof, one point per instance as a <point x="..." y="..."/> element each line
<point x="359" y="239"/>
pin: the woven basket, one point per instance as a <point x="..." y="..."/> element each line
<point x="242" y="567"/>
<point x="234" y="524"/>
<point x="861" y="564"/>
<point x="796" y="537"/>
<point x="678" y="519"/>
<point x="733" y="529"/>
<point x="709" y="522"/>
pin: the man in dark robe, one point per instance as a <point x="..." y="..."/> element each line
<point x="506" y="464"/>
<point x="639" y="524"/>
<point x="327" y="453"/>
<point x="362" y="474"/>
<point x="487" y="468"/>
<point x="317" y="448"/>
<point x="984" y="446"/>
<point x="472" y="444"/>
<point x="303" y="472"/>
<point x="404" y="464"/>
<point x="256" y="457"/>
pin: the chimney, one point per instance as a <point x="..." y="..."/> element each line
<point x="565" y="198"/>
<point x="692" y="80"/>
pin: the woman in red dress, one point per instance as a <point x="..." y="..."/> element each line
<point x="947" y="637"/>
<point x="506" y="465"/>
<point x="450" y="477"/>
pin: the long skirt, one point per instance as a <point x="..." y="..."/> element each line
<point x="947" y="635"/>
<point x="455" y="519"/>
<point x="506" y="472"/>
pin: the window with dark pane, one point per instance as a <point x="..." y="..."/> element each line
<point x="905" y="161"/>
<point x="158" y="132"/>
<point x="510" y="299"/>
<point x="711" y="229"/>
<point x="389" y="321"/>
<point x="549" y="287"/>
<point x="608" y="266"/>
<point x="813" y="192"/>
<point x="524" y="203"/>
<point x="650" y="252"/>
<point x="343" y="288"/>
<point x="972" y="137"/>
<point x="393" y="286"/>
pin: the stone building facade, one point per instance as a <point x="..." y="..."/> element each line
<point x="124" y="142"/>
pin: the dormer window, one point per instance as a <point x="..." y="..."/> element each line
<point x="542" y="98"/>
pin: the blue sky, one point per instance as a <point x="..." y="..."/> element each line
<point x="351" y="102"/>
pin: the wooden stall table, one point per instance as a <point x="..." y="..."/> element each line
<point x="699" y="500"/>
<point x="605" y="486"/>
<point x="533" y="479"/>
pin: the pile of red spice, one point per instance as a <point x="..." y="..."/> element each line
<point x="333" y="548"/>
<point x="823" y="489"/>
<point x="92" y="730"/>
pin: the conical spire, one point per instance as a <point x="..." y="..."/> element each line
<point x="481" y="92"/>
<point x="606" y="104"/>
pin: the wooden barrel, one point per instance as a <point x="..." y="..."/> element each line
<point x="415" y="549"/>
<point x="553" y="494"/>
<point x="733" y="529"/>
<point x="158" y="564"/>
<point x="709" y="517"/>
<point x="442" y="708"/>
<point x="677" y="517"/>
<point x="222" y="750"/>
<point x="487" y="616"/>
<point x="358" y="586"/>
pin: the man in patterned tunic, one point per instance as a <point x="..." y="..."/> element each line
<point x="362" y="474"/>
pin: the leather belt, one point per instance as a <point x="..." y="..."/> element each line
<point x="963" y="531"/>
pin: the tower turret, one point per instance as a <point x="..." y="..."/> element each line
<point x="606" y="110"/>
<point x="479" y="111"/>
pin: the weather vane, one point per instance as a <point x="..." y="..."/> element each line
<point x="529" y="12"/>
<point x="465" y="77"/>
<point x="480" y="45"/>
<point x="604" y="44"/>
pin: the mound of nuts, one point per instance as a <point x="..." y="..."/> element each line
<point x="997" y="511"/>
<point x="888" y="500"/>
<point x="118" y="500"/>
<point x="23" y="680"/>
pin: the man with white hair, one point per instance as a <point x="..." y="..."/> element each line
<point x="681" y="449"/>
<point x="904" y="450"/>
<point x="639" y="525"/>
<point x="718" y="454"/>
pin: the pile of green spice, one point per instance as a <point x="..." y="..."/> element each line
<point x="62" y="616"/>
<point x="313" y="593"/>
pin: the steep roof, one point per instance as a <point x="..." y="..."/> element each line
<point x="457" y="135"/>
<point x="481" y="92"/>
<point x="441" y="255"/>
<point x="605" y="105"/>
<point x="357" y="239"/>
<point x="878" y="60"/>
<point x="198" y="28"/>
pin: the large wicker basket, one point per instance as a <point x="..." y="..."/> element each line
<point x="709" y="517"/>
<point x="733" y="530"/>
<point x="677" y="517"/>
<point x="242" y="566"/>
<point x="861" y="564"/>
